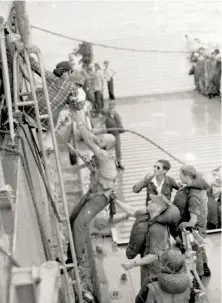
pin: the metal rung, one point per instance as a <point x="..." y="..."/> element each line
<point x="24" y="94"/>
<point x="44" y="116"/>
<point x="26" y="103"/>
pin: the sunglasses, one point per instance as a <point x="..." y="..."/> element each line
<point x="157" y="167"/>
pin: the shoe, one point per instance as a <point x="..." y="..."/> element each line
<point x="207" y="272"/>
<point x="119" y="166"/>
<point x="196" y="284"/>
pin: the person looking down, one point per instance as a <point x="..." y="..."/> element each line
<point x="60" y="88"/>
<point x="149" y="235"/>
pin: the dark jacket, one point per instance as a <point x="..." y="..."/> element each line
<point x="168" y="186"/>
<point x="137" y="241"/>
<point x="193" y="198"/>
<point x="214" y="211"/>
<point x="113" y="122"/>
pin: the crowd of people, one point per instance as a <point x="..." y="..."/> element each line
<point x="206" y="68"/>
<point x="155" y="224"/>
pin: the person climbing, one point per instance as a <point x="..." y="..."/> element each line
<point x="112" y="119"/>
<point x="173" y="284"/>
<point x="149" y="235"/>
<point x="159" y="182"/>
<point x="60" y="88"/>
<point x="108" y="76"/>
<point x="192" y="201"/>
<point x="101" y="188"/>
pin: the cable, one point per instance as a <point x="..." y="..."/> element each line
<point x="5" y="253"/>
<point x="125" y="130"/>
<point x="110" y="46"/>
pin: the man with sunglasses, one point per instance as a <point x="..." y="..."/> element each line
<point x="158" y="182"/>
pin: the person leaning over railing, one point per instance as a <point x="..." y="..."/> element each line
<point x="60" y="88"/>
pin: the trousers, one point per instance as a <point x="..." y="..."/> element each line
<point x="118" y="148"/>
<point x="88" y="207"/>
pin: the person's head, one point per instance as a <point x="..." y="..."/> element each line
<point x="106" y="63"/>
<point x="171" y="261"/>
<point x="173" y="277"/>
<point x="63" y="69"/>
<point x="187" y="174"/>
<point x="158" y="204"/>
<point x="161" y="167"/>
<point x="112" y="107"/>
<point x="97" y="67"/>
<point x="106" y="141"/>
<point x="77" y="78"/>
<point x="201" y="51"/>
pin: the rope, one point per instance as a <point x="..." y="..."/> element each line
<point x="5" y="253"/>
<point x="110" y="46"/>
<point x="147" y="139"/>
<point x="119" y="129"/>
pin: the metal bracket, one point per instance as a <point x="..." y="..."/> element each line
<point x="6" y="209"/>
<point x="115" y="295"/>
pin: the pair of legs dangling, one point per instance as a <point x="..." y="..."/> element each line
<point x="85" y="211"/>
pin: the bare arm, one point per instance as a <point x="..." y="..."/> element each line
<point x="87" y="135"/>
<point x="131" y="212"/>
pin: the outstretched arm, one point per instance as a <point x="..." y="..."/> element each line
<point x="140" y="185"/>
<point x="87" y="135"/>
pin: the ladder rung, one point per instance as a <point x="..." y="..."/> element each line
<point x="26" y="103"/>
<point x="24" y="94"/>
<point x="44" y="116"/>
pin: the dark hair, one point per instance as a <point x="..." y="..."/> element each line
<point x="165" y="163"/>
<point x="98" y="66"/>
<point x="59" y="72"/>
<point x="189" y="171"/>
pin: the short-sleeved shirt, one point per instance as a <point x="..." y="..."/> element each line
<point x="192" y="201"/>
<point x="156" y="243"/>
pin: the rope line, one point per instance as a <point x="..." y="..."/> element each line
<point x="110" y="46"/>
<point x="125" y="130"/>
<point x="5" y="253"/>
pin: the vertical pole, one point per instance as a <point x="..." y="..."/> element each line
<point x="65" y="204"/>
<point x="6" y="79"/>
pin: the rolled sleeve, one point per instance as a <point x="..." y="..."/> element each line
<point x="194" y="206"/>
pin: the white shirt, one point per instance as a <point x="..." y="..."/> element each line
<point x="159" y="187"/>
<point x="108" y="74"/>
